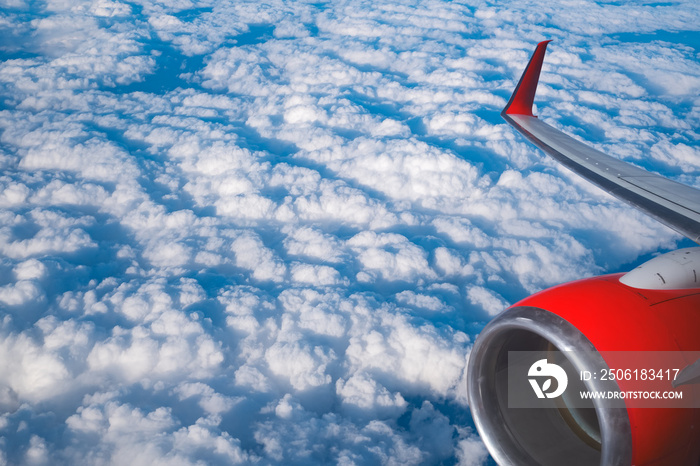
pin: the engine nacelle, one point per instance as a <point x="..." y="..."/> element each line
<point x="588" y="318"/>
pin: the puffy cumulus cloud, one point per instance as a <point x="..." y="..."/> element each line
<point x="124" y="434"/>
<point x="17" y="293"/>
<point x="450" y="262"/>
<point x="668" y="70"/>
<point x="461" y="231"/>
<point x="262" y="262"/>
<point x="471" y="452"/>
<point x="314" y="244"/>
<point x="296" y="435"/>
<point x="421" y="301"/>
<point x="420" y="357"/>
<point x="303" y="366"/>
<point x="138" y="355"/>
<point x="161" y="341"/>
<point x="209" y="400"/>
<point x="681" y="155"/>
<point x="237" y="232"/>
<point x="315" y="274"/>
<point x="48" y="232"/>
<point x="404" y="170"/>
<point x="30" y="371"/>
<point x="389" y="256"/>
<point x="363" y="394"/>
<point x="487" y="299"/>
<point x="316" y="312"/>
<point x="241" y="71"/>
<point x="78" y="47"/>
<point x="336" y="202"/>
<point x="30" y="269"/>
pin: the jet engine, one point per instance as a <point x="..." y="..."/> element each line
<point x="652" y="310"/>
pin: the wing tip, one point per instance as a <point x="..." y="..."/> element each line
<point x="521" y="100"/>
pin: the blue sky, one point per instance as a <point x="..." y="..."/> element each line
<point x="235" y="232"/>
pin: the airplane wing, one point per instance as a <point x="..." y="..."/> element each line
<point x="673" y="204"/>
<point x="587" y="324"/>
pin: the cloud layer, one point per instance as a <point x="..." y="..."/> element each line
<point x="235" y="233"/>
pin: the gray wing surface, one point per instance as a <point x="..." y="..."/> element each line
<point x="673" y="204"/>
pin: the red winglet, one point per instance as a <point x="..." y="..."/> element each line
<point x="520" y="102"/>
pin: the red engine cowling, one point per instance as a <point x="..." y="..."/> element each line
<point x="589" y="316"/>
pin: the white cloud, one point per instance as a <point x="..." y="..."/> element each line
<point x="486" y="299"/>
<point x="471" y="452"/>
<point x="251" y="254"/>
<point x="31" y="371"/>
<point x="316" y="312"/>
<point x="420" y="357"/>
<point x="390" y="257"/>
<point x="19" y="292"/>
<point x="56" y="234"/>
<point x="210" y="401"/>
<point x="363" y="393"/>
<point x="302" y="365"/>
<point x="38" y="453"/>
<point x="312" y="243"/>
